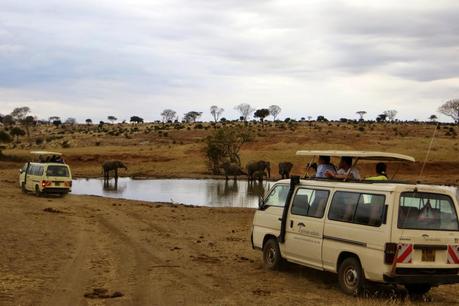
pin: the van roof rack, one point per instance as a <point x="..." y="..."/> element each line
<point x="362" y="155"/>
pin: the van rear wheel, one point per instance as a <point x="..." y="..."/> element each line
<point x="272" y="258"/>
<point x="350" y="276"/>
<point x="417" y="290"/>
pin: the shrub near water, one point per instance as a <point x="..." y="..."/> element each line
<point x="224" y="145"/>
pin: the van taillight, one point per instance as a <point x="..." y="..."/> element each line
<point x="68" y="183"/>
<point x="45" y="183"/>
<point x="390" y="251"/>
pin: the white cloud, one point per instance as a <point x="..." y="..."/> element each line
<point x="93" y="59"/>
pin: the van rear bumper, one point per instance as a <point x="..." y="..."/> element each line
<point x="422" y="279"/>
<point x="56" y="190"/>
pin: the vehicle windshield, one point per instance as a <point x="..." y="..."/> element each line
<point x="62" y="171"/>
<point x="278" y="196"/>
<point x="427" y="211"/>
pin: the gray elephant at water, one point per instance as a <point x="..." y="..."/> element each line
<point x="112" y="165"/>
<point x="260" y="165"/>
<point x="232" y="169"/>
<point x="284" y="169"/>
<point x="259" y="176"/>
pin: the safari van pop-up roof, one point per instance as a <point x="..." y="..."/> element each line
<point x="362" y="155"/>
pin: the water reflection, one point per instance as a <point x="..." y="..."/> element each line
<point x="215" y="193"/>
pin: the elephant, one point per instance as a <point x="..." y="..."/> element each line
<point x="232" y="169"/>
<point x="259" y="176"/>
<point x="284" y="169"/>
<point x="260" y="165"/>
<point x="112" y="165"/>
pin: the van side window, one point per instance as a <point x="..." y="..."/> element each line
<point x="40" y="170"/>
<point x="359" y="208"/>
<point x="278" y="196"/>
<point x="310" y="202"/>
<point x="370" y="209"/>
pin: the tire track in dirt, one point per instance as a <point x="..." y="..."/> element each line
<point x="157" y="280"/>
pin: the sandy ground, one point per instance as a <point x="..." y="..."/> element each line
<point x="82" y="250"/>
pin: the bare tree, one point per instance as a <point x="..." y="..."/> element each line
<point x="168" y="115"/>
<point x="216" y="112"/>
<point x="390" y="114"/>
<point x="245" y="109"/>
<point x="70" y="121"/>
<point x="19" y="113"/>
<point x="275" y="110"/>
<point x="451" y="108"/>
<point x="361" y="114"/>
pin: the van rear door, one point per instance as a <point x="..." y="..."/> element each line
<point x="426" y="229"/>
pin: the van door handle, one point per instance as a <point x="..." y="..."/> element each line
<point x="280" y="219"/>
<point x="301" y="224"/>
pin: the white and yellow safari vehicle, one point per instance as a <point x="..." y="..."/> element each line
<point x="379" y="231"/>
<point x="49" y="174"/>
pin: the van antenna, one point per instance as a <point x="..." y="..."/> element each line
<point x="428" y="152"/>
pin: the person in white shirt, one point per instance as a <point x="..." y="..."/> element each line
<point x="323" y="166"/>
<point x="345" y="171"/>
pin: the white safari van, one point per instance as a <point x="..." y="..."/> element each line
<point x="380" y="231"/>
<point x="48" y="175"/>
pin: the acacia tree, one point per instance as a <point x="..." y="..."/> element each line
<point x="112" y="119"/>
<point x="168" y="115"/>
<point x="4" y="138"/>
<point x="433" y="118"/>
<point x="88" y="121"/>
<point x="216" y="112"/>
<point x="274" y="110"/>
<point x="390" y="114"/>
<point x="261" y="113"/>
<point x="245" y="109"/>
<point x="224" y="145"/>
<point x="361" y="114"/>
<point x="19" y="113"/>
<point x="136" y="119"/>
<point x="8" y="120"/>
<point x="51" y="119"/>
<point x="192" y="116"/>
<point x="451" y="109"/>
<point x="17" y="131"/>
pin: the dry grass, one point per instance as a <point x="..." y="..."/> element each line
<point x="156" y="150"/>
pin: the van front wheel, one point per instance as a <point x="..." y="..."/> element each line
<point x="37" y="191"/>
<point x="23" y="188"/>
<point x="350" y="276"/>
<point x="271" y="254"/>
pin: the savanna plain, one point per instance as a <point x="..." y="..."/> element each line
<point x="86" y="250"/>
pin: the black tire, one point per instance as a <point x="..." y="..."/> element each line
<point x="417" y="290"/>
<point x="351" y="277"/>
<point x="23" y="188"/>
<point x="37" y="191"/>
<point x="272" y="258"/>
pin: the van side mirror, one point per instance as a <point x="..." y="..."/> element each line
<point x="261" y="202"/>
<point x="21" y="171"/>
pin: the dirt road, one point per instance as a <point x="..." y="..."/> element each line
<point x="81" y="250"/>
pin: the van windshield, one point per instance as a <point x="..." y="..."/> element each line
<point x="57" y="171"/>
<point x="427" y="211"/>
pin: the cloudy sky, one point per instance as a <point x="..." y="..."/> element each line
<point x="90" y="59"/>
